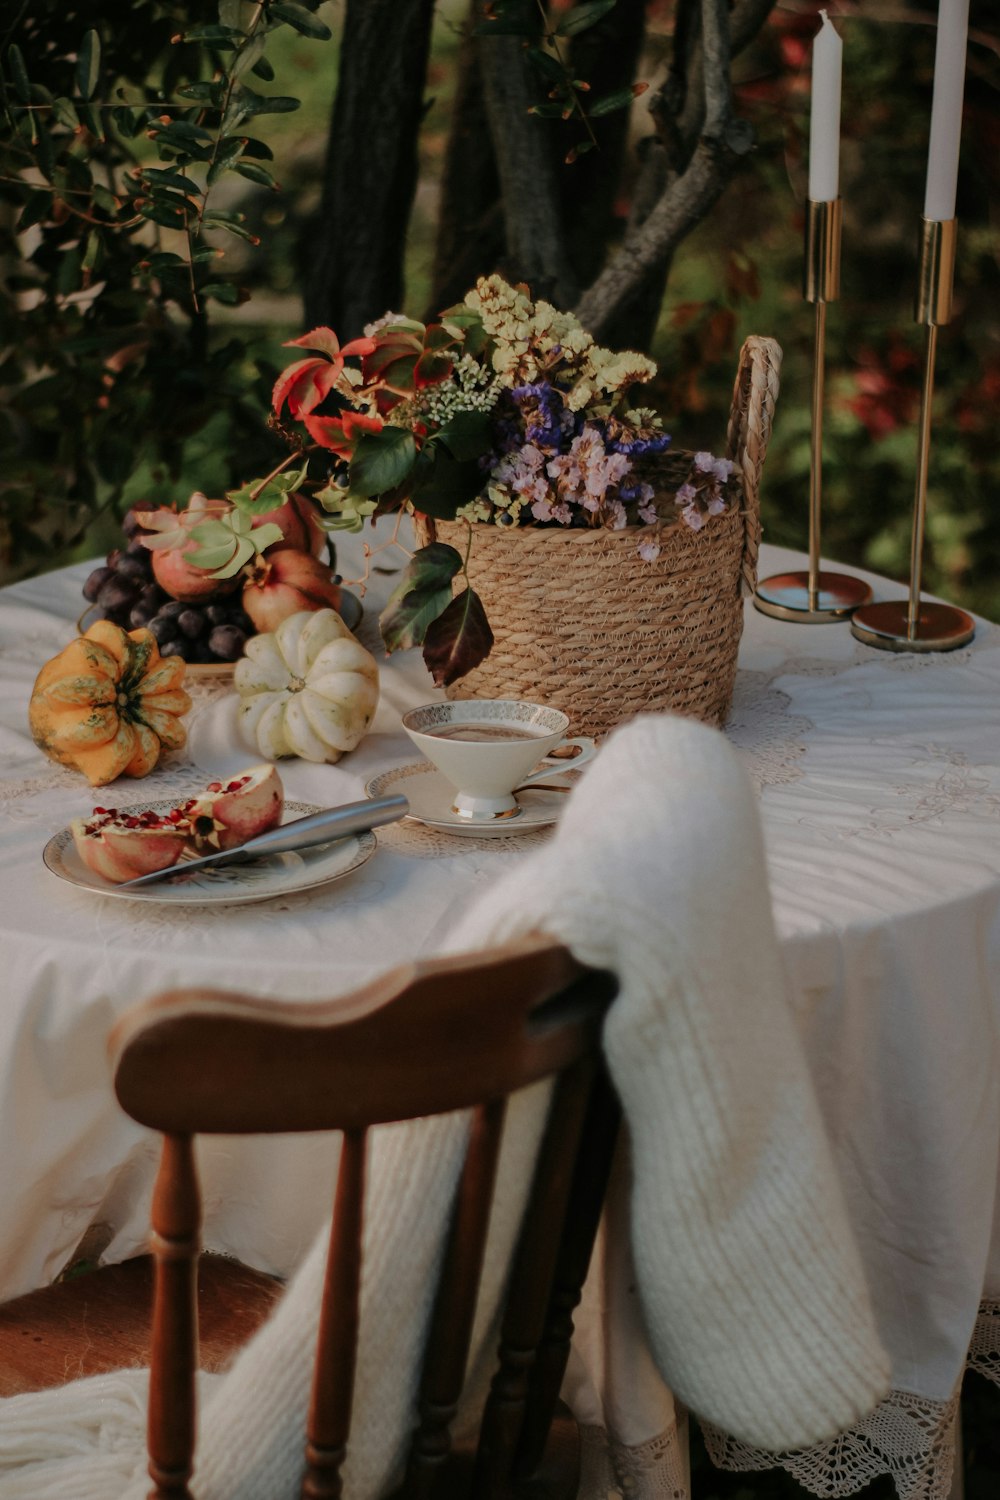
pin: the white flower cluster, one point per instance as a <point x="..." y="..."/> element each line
<point x="469" y="387"/>
<point x="534" y="339"/>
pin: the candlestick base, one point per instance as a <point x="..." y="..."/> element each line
<point x="938" y="627"/>
<point x="787" y="596"/>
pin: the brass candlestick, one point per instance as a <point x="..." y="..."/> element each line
<point x="815" y="597"/>
<point x="911" y="624"/>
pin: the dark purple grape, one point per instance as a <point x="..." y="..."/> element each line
<point x="163" y="630"/>
<point x="140" y="614"/>
<point x="217" y="614"/>
<point x="227" y="642"/>
<point x="191" y="622"/>
<point x="138" y="549"/>
<point x="117" y="594"/>
<point x="95" y="582"/>
<point x="175" y="647"/>
<point x="154" y="596"/>
<point x="132" y="568"/>
<point x="130" y="524"/>
<point x="171" y="609"/>
<point x="114" y="557"/>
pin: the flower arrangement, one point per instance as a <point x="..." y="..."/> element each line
<point x="505" y="412"/>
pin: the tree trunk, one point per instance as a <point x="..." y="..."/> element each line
<point x="606" y="57"/>
<point x="356" y="243"/>
<point x="525" y="156"/>
<point x="470" y="236"/>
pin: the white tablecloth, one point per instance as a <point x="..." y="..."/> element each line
<point x="879" y="780"/>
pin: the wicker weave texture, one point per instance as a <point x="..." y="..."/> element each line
<point x="582" y="623"/>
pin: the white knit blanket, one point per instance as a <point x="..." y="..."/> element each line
<point x="751" y="1285"/>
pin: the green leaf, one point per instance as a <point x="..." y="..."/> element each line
<point x="217" y="35"/>
<point x="18" y="74"/>
<point x="257" y="149"/>
<point x="256" y="173"/>
<point x="302" y="20"/>
<point x="382" y="460"/>
<point x="620" y="99"/>
<point x="229" y="151"/>
<point x="582" y="17"/>
<point x="444" y="484"/>
<point x="88" y="65"/>
<point x="230" y="223"/>
<point x="162" y="213"/>
<point x="128" y="121"/>
<point x="211" y="93"/>
<point x="65" y="113"/>
<point x="546" y="63"/>
<point x="222" y="291"/>
<point x="182" y="131"/>
<point x="37" y="207"/>
<point x="423" y="594"/>
<point x="275" y="104"/>
<point x="170" y="178"/>
<point x="248" y="56"/>
<point x="458" y="640"/>
<point x="467" y="434"/>
<point x="273" y="495"/>
<point x="263" y="537"/>
<point x="104" y="199"/>
<point x="91" y="117"/>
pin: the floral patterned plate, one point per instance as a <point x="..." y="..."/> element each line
<point x="257" y="880"/>
<point x="431" y="797"/>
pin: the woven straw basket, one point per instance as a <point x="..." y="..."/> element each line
<point x="582" y="623"/>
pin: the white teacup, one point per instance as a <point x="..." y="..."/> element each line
<point x="487" y="746"/>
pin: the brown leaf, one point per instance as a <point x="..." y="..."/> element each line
<point x="458" y="640"/>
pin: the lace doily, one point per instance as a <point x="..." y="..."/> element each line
<point x="655" y="1470"/>
<point x="907" y="1437"/>
<point x="984" y="1351"/>
<point x="769" y="739"/>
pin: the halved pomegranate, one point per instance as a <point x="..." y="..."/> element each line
<point x="227" y="813"/>
<point x="121" y="845"/>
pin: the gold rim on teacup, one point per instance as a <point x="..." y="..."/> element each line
<point x="484" y="768"/>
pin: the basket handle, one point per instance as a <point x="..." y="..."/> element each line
<point x="750" y="419"/>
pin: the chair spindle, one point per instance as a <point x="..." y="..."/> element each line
<point x="176" y="1223"/>
<point x="531" y="1284"/>
<point x="455" y="1305"/>
<point x="333" y="1381"/>
<point x="583" y="1215"/>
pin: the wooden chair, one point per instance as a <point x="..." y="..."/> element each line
<point x="425" y="1039"/>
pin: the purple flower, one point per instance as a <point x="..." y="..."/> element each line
<point x="648" y="550"/>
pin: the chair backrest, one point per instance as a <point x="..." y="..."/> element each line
<point x="425" y="1039"/>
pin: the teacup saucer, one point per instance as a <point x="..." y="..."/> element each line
<point x="431" y="797"/>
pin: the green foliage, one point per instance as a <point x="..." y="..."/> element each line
<point x="741" y="273"/>
<point x="114" y="138"/>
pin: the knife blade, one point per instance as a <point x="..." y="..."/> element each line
<point x="301" y="833"/>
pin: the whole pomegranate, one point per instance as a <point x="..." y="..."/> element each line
<point x="299" y="527"/>
<point x="284" y="582"/>
<point x="171" y="569"/>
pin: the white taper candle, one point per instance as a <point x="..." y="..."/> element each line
<point x="946" y="109"/>
<point x="824" y="118"/>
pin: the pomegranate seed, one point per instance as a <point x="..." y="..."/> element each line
<point x="215" y="786"/>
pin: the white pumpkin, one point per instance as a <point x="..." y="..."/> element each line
<point x="309" y="688"/>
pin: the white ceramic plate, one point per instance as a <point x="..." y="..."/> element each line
<point x="278" y="875"/>
<point x="431" y="797"/>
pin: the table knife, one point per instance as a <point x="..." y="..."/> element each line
<point x="301" y="833"/>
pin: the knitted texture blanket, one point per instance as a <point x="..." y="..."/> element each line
<point x="751" y="1285"/>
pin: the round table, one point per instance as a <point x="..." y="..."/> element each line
<point x="879" y="784"/>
